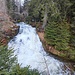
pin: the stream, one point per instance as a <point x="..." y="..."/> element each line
<point x="29" y="50"/>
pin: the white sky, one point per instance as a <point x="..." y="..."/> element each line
<point x="22" y="1"/>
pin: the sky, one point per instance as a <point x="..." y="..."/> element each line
<point x="22" y="1"/>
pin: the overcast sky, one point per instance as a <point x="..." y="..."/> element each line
<point x="22" y="1"/>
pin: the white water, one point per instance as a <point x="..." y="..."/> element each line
<point x="29" y="51"/>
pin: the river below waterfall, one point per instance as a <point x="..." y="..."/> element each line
<point x="29" y="50"/>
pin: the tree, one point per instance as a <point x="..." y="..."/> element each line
<point x="58" y="35"/>
<point x="60" y="31"/>
<point x="7" y="59"/>
<point x="17" y="70"/>
<point x="49" y="10"/>
<point x="71" y="17"/>
<point x="33" y="11"/>
<point x="25" y="4"/>
<point x="26" y="7"/>
<point x="63" y="6"/>
<point x="11" y="6"/>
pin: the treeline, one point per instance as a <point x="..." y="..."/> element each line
<point x="10" y="66"/>
<point x="14" y="9"/>
<point x="58" y="22"/>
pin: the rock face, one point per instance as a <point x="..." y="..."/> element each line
<point x="7" y="28"/>
<point x="3" y="7"/>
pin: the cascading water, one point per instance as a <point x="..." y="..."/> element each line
<point x="29" y="51"/>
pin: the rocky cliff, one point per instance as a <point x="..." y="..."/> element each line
<point x="7" y="28"/>
<point x="3" y="7"/>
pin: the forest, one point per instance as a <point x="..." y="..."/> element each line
<point x="56" y="18"/>
<point x="58" y="22"/>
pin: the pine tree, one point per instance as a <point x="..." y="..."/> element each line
<point x="71" y="16"/>
<point x="43" y="10"/>
<point x="11" y="6"/>
<point x="17" y="70"/>
<point x="58" y="35"/>
<point x="6" y="58"/>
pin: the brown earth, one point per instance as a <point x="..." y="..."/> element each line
<point x="7" y="28"/>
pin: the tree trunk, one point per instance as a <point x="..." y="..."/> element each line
<point x="45" y="18"/>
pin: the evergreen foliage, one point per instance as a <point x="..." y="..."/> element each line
<point x="25" y="4"/>
<point x="11" y="6"/>
<point x="17" y="70"/>
<point x="56" y="9"/>
<point x="6" y="58"/>
<point x="71" y="16"/>
<point x="58" y="35"/>
<point x="23" y="71"/>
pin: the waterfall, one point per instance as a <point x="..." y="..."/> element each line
<point x="29" y="51"/>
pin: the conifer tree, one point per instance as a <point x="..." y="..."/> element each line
<point x="11" y="6"/>
<point x="71" y="17"/>
<point x="43" y="10"/>
<point x="58" y="35"/>
<point x="7" y="59"/>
